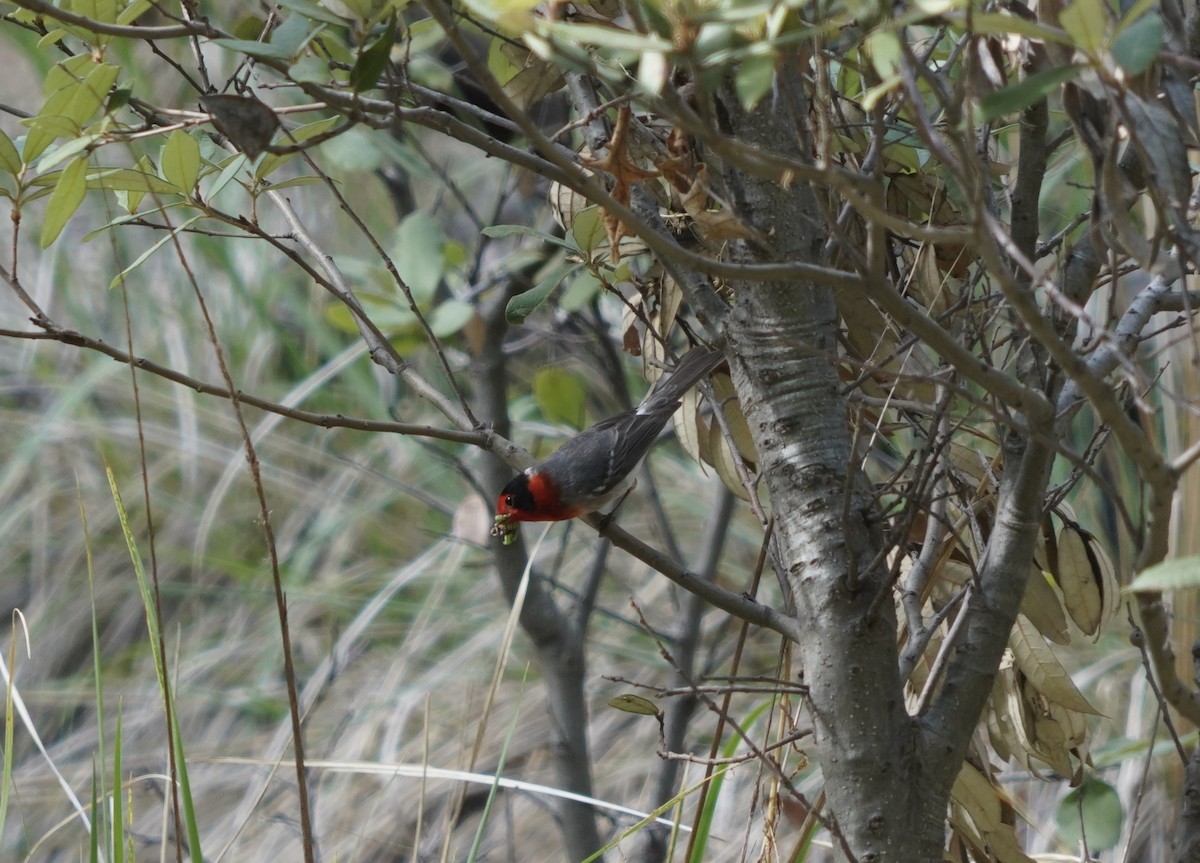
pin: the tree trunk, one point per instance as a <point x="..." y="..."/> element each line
<point x="783" y="339"/>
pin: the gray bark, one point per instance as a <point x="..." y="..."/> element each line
<point x="783" y="340"/>
<point x="887" y="774"/>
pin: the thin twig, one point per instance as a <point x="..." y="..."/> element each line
<point x="55" y="332"/>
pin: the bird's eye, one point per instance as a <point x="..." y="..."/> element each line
<point x="508" y="500"/>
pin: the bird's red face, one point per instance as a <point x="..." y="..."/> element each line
<point x="528" y="497"/>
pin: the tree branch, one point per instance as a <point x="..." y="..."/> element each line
<point x="56" y="333"/>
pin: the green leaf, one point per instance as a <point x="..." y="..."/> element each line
<point x="134" y="11"/>
<point x="180" y="161"/>
<point x="418" y="254"/>
<point x="272" y="162"/>
<point x="652" y="71"/>
<point x="360" y="9"/>
<point x="499" y="63"/>
<point x="251" y="27"/>
<point x="130" y="179"/>
<point x="499" y="232"/>
<point x="117" y="802"/>
<point x="525" y="77"/>
<point x="104" y="11"/>
<point x="293" y="34"/>
<point x="523" y="305"/>
<point x="10" y="159"/>
<point x="999" y="24"/>
<point x="607" y="37"/>
<point x="357" y="151"/>
<point x="1098" y="805"/>
<point x="313" y="12"/>
<point x="126" y="218"/>
<point x="130" y="184"/>
<point x="450" y="317"/>
<point x="52" y="37"/>
<point x="258" y="50"/>
<point x="292" y="182"/>
<point x="561" y="396"/>
<point x="630" y="703"/>
<point x="63" y="82"/>
<point x="65" y="199"/>
<point x="68" y="73"/>
<point x="44" y="129"/>
<point x="877" y="92"/>
<point x="1134" y="13"/>
<point x="310" y="70"/>
<point x="938" y="7"/>
<point x="226" y="176"/>
<point x="144" y="256"/>
<point x="704" y="820"/>
<point x="714" y="38"/>
<point x="753" y="79"/>
<point x="91" y="94"/>
<point x="118" y="98"/>
<point x="1182" y="573"/>
<point x="1016" y="97"/>
<point x="455" y="254"/>
<point x="370" y="63"/>
<point x="885" y="52"/>
<point x="579" y="293"/>
<point x="1137" y="45"/>
<point x="1086" y="22"/>
<point x="65" y="151"/>
<point x="587" y="229"/>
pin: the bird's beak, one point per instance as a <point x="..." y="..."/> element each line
<point x="505" y="528"/>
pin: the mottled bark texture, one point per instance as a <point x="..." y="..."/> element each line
<point x="1187" y="837"/>
<point x="783" y="340"/>
<point x="887" y="774"/>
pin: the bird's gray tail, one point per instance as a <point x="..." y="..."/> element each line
<point x="691" y="368"/>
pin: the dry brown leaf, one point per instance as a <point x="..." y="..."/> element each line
<point x="631" y="338"/>
<point x="739" y="430"/>
<point x="566" y="204"/>
<point x="977" y="797"/>
<point x="1074" y="726"/>
<point x="1016" y="708"/>
<point x="535" y="78"/>
<point x="1110" y="588"/>
<point x="927" y="285"/>
<point x="670" y="298"/>
<point x="1051" y="740"/>
<point x="722" y="459"/>
<point x="1005" y="848"/>
<point x="1044" y="608"/>
<point x="989" y="811"/>
<point x="1001" y="732"/>
<point x="1042" y="668"/>
<point x="690" y="429"/>
<point x="978" y="462"/>
<point x="1079" y="582"/>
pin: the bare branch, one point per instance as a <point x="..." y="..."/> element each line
<point x="54" y="332"/>
<point x="193" y="28"/>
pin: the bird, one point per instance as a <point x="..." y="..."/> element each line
<point x="595" y="467"/>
